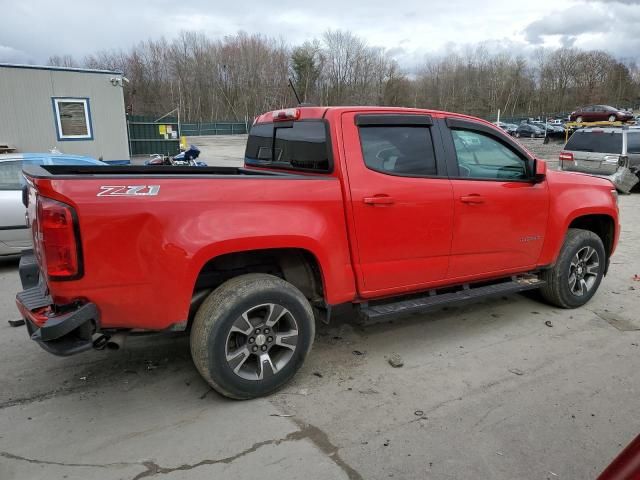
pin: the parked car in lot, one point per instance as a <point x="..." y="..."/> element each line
<point x="529" y="130"/>
<point x="388" y="210"/>
<point x="597" y="113"/>
<point x="602" y="151"/>
<point x="510" y="128"/>
<point x="553" y="131"/>
<point x="14" y="234"/>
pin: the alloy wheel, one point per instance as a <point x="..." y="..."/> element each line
<point x="583" y="271"/>
<point x="261" y="341"/>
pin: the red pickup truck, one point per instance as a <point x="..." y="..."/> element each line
<point x="392" y="210"/>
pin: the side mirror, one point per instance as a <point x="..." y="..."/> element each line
<point x="540" y="170"/>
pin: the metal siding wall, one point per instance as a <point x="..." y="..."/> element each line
<point x="27" y="120"/>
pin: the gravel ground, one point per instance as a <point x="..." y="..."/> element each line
<point x="549" y="152"/>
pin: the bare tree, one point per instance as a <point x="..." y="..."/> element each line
<point x="239" y="76"/>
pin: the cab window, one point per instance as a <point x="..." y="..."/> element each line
<point x="398" y="150"/>
<point x="484" y="157"/>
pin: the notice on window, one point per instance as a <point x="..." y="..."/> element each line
<point x="162" y="129"/>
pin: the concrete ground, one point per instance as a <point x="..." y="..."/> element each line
<point x="508" y="388"/>
<point x="215" y="150"/>
<point x="220" y="150"/>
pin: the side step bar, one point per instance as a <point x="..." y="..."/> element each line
<point x="384" y="311"/>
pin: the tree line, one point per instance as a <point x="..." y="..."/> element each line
<point x="240" y="76"/>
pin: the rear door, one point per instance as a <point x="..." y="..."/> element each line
<point x="588" y="114"/>
<point x="500" y="215"/>
<point x="401" y="201"/>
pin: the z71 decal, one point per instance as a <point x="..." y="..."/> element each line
<point x="128" y="190"/>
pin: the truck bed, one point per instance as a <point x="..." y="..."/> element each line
<point x="158" y="171"/>
<point x="146" y="232"/>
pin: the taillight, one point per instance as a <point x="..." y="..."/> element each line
<point x="287" y="114"/>
<point x="57" y="240"/>
<point x="565" y="157"/>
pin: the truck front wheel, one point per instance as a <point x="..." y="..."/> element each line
<point x="575" y="277"/>
<point x="251" y="335"/>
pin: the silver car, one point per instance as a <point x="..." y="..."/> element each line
<point x="14" y="234"/>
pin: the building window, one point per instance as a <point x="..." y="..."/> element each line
<point x="73" y="118"/>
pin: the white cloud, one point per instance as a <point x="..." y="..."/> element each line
<point x="12" y="55"/>
<point x="37" y="29"/>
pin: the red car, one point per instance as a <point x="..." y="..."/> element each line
<point x="390" y="210"/>
<point x="626" y="466"/>
<point x="600" y="113"/>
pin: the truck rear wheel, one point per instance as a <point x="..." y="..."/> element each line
<point x="251" y="335"/>
<point x="577" y="274"/>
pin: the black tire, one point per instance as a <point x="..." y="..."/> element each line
<point x="253" y="297"/>
<point x="518" y="134"/>
<point x="558" y="290"/>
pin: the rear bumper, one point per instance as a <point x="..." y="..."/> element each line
<point x="593" y="168"/>
<point x="59" y="330"/>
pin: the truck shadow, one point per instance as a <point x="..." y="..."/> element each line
<point x="9" y="263"/>
<point x="339" y="349"/>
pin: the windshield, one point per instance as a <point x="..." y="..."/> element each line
<point x="601" y="142"/>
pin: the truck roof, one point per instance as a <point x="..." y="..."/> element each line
<point x="314" y="112"/>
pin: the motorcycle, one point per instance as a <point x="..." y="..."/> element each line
<point x="183" y="159"/>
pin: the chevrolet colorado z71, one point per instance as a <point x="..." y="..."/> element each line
<point x="391" y="210"/>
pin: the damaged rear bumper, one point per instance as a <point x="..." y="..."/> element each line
<point x="60" y="330"/>
<point x="624" y="179"/>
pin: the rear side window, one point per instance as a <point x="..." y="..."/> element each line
<point x="601" y="142"/>
<point x="633" y="142"/>
<point x="11" y="175"/>
<point x="291" y="145"/>
<point x="398" y="150"/>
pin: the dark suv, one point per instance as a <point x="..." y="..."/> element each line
<point x="598" y="113"/>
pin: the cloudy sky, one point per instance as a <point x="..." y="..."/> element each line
<point x="32" y="30"/>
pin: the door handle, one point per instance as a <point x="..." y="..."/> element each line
<point x="379" y="200"/>
<point x="473" y="199"/>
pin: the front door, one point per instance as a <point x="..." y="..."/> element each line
<point x="500" y="213"/>
<point x="401" y="201"/>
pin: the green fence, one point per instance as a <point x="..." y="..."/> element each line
<point x="148" y="136"/>
<point x="213" y="128"/>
